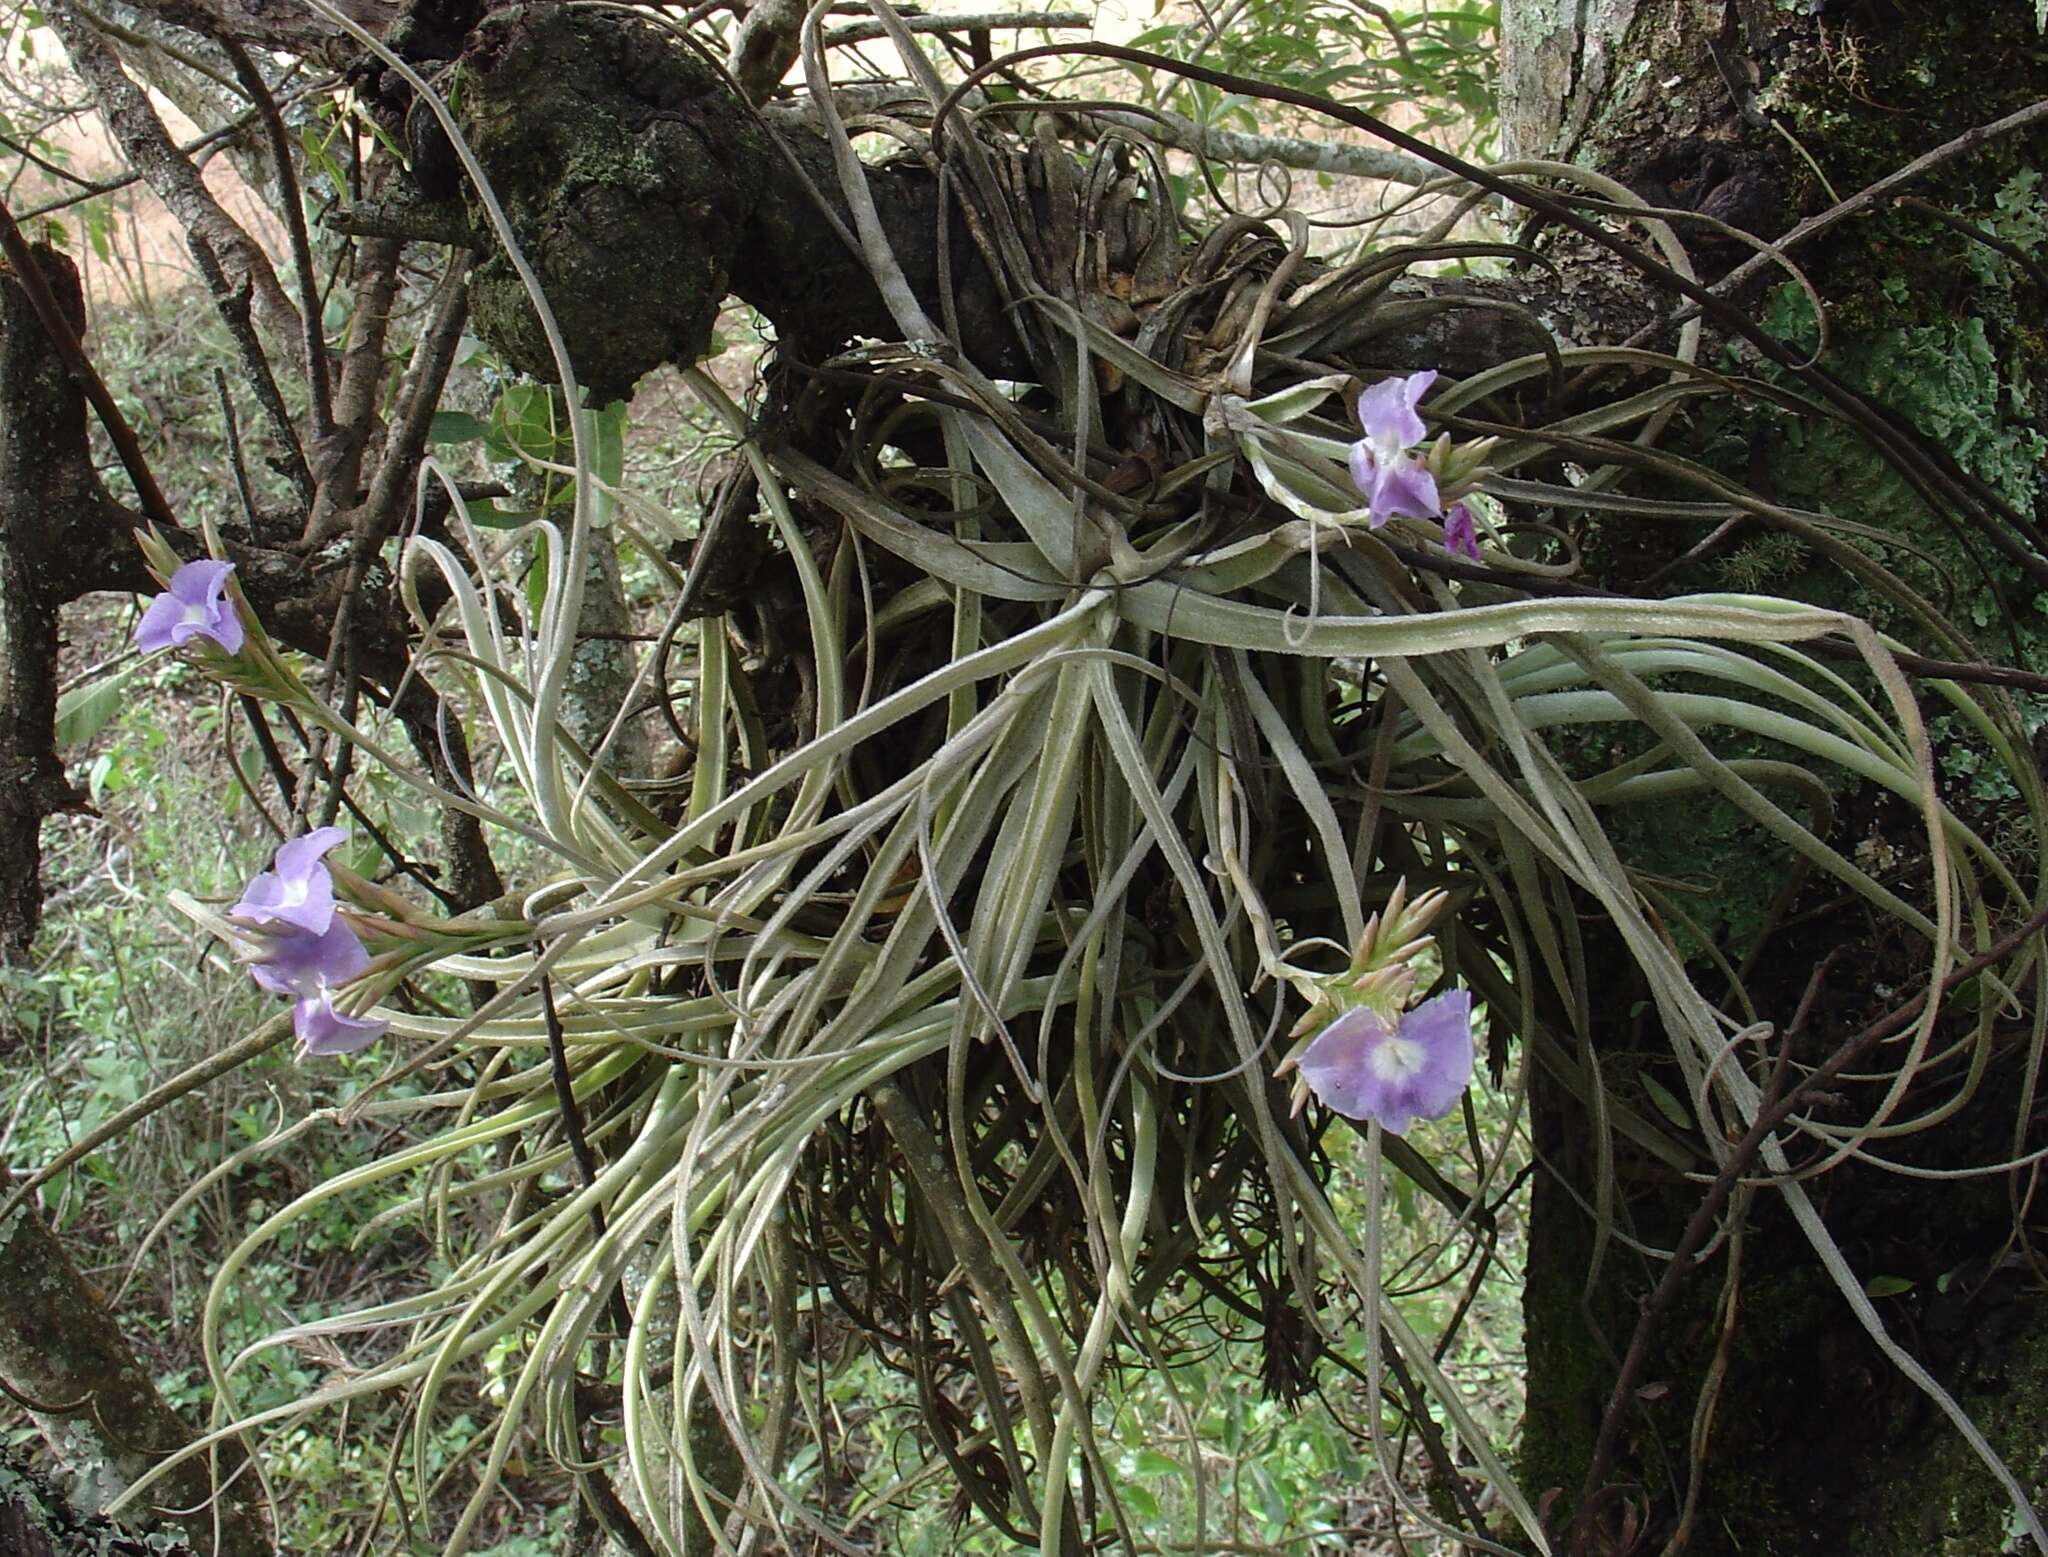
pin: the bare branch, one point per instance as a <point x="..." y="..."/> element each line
<point x="292" y="208"/>
<point x="418" y="395"/>
<point x="170" y="175"/>
<point x="289" y="26"/>
<point x="1337" y="159"/>
<point x="338" y="458"/>
<point x="766" y="46"/>
<point x="978" y="21"/>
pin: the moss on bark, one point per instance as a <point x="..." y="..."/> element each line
<point x="1817" y="1445"/>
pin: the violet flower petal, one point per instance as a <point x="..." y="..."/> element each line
<point x="1365" y="467"/>
<point x="1461" y="535"/>
<point x="1335" y="1064"/>
<point x="299" y="963"/>
<point x="298" y="858"/>
<point x="200" y="582"/>
<point x="298" y="891"/>
<point x="1402" y="489"/>
<point x="153" y="633"/>
<point x="1394" y="486"/>
<point x="1442" y="1028"/>
<point x="194" y="606"/>
<point x="326" y="1031"/>
<point x="1363" y="1071"/>
<point x="1386" y="411"/>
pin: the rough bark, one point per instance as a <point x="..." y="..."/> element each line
<point x="1818" y="1445"/>
<point x="286" y="25"/>
<point x="37" y="1520"/>
<point x="53" y="515"/>
<point x="644" y="192"/>
<point x="63" y="1356"/>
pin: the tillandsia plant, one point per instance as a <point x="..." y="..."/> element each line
<point x="934" y="1019"/>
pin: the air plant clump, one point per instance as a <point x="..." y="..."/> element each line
<point x="940" y="1008"/>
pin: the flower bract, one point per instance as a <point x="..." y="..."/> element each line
<point x="194" y="606"/>
<point x="1414" y="1070"/>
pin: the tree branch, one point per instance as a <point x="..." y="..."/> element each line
<point x="292" y="208"/>
<point x="59" y="1343"/>
<point x="338" y="458"/>
<point x="171" y="177"/>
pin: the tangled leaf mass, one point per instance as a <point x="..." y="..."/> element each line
<point x="939" y="1021"/>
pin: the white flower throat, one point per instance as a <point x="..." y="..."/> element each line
<point x="1396" y="1059"/>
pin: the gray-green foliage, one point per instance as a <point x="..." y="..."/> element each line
<point x="935" y="1030"/>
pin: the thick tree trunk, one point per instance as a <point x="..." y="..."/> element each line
<point x="52" y="509"/>
<point x="64" y="1357"/>
<point x="1817" y="1444"/>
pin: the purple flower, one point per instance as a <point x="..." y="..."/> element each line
<point x="299" y="963"/>
<point x="1397" y="488"/>
<point x="324" y="1030"/>
<point x="195" y="606"/>
<point x="1393" y="481"/>
<point x="1363" y="1071"/>
<point x="298" y="891"/>
<point x="1387" y="411"/>
<point x="1461" y="536"/>
<point x="301" y="949"/>
<point x="308" y="967"/>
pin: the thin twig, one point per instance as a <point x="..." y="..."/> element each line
<point x="209" y="142"/>
<point x="572" y="1130"/>
<point x="338" y="458"/>
<point x="419" y="395"/>
<point x="231" y="301"/>
<point x="139" y="130"/>
<point x="294" y="212"/>
<point x="1990" y="240"/>
<point x="1018" y="21"/>
<point x="236" y="463"/>
<point x="1870" y="195"/>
